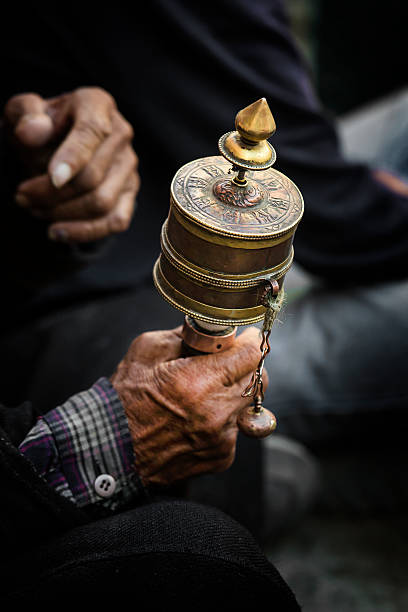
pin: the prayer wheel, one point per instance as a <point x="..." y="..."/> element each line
<point x="227" y="242"/>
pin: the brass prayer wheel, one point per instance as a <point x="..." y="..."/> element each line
<point x="226" y="237"/>
<point x="227" y="245"/>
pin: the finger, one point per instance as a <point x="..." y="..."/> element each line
<point x="90" y="110"/>
<point x="23" y="104"/>
<point x="235" y="402"/>
<point x="181" y="458"/>
<point x="159" y="346"/>
<point x="118" y="220"/>
<point x="181" y="464"/>
<point x="40" y="192"/>
<point x="26" y="114"/>
<point x="102" y="200"/>
<point x="240" y="360"/>
<point x="119" y="140"/>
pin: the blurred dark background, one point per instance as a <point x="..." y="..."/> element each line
<point x="351" y="553"/>
<point x="356" y="48"/>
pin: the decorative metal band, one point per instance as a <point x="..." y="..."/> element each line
<point x="200" y="275"/>
<point x="237" y="242"/>
<point x="204" y="312"/>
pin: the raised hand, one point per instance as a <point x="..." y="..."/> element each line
<point x="81" y="167"/>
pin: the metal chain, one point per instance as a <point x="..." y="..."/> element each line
<point x="273" y="301"/>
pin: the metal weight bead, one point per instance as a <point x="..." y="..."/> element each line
<point x="256" y="423"/>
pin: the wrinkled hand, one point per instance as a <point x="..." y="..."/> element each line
<point x="77" y="151"/>
<point x="182" y="412"/>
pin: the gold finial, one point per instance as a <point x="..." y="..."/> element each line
<point x="255" y="122"/>
<point x="247" y="148"/>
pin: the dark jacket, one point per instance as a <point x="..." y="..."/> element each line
<point x="30" y="511"/>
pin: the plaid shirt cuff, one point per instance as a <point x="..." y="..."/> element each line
<point x="86" y="438"/>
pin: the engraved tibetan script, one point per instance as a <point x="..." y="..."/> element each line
<point x="279" y="207"/>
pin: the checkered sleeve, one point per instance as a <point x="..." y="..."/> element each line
<point x="84" y="451"/>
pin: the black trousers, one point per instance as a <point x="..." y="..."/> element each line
<point x="163" y="554"/>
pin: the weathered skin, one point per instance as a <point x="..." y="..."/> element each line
<point x="182" y="412"/>
<point x="95" y="195"/>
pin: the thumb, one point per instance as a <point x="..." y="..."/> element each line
<point x="239" y="360"/>
<point x="26" y="113"/>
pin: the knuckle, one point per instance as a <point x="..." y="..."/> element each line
<point x="95" y="91"/>
<point x="107" y="97"/>
<point x="90" y="178"/>
<point x="127" y="129"/>
<point x="136" y="344"/>
<point x="250" y="353"/>
<point x="85" y="232"/>
<point x="212" y="429"/>
<point x="96" y="127"/>
<point x="118" y="222"/>
<point x="144" y="340"/>
<point x="252" y="349"/>
<point x="134" y="160"/>
<point x="196" y="390"/>
<point x="178" y="384"/>
<point x="23" y="97"/>
<point x="101" y="203"/>
<point x="13" y="106"/>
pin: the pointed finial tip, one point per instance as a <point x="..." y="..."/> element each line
<point x="248" y="147"/>
<point x="255" y="122"/>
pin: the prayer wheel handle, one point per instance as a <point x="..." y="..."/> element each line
<point x="254" y="421"/>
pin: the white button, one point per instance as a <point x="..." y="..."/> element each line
<point x="105" y="485"/>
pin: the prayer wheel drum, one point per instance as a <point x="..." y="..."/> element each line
<point x="226" y="237"/>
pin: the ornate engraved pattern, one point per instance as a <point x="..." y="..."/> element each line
<point x="227" y="192"/>
<point x="279" y="210"/>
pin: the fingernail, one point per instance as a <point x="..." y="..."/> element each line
<point x="57" y="234"/>
<point x="31" y="117"/>
<point x="22" y="200"/>
<point x="61" y="175"/>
